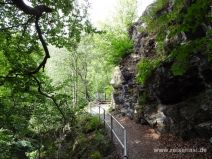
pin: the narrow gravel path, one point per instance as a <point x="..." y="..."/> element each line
<point x="143" y="141"/>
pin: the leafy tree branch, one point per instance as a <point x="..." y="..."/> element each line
<point x="50" y="97"/>
<point x="36" y="12"/>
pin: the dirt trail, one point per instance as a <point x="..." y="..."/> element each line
<point x="142" y="140"/>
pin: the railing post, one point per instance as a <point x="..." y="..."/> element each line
<point x="104" y="117"/>
<point x="113" y="133"/>
<point x="111" y="125"/>
<point x="125" y="144"/>
<point x="99" y="114"/>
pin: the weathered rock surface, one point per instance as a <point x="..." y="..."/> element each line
<point x="181" y="105"/>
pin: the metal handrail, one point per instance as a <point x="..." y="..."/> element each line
<point x="113" y="133"/>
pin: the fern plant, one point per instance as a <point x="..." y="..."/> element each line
<point x="145" y="68"/>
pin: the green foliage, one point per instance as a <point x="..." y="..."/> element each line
<point x="181" y="63"/>
<point x="153" y="23"/>
<point x="80" y="70"/>
<point x="145" y="68"/>
<point x="143" y="98"/>
<point x="118" y="45"/>
<point x="196" y="14"/>
<point x="121" y="47"/>
<point x="159" y="20"/>
<point x="125" y="15"/>
<point x="90" y="123"/>
<point x="114" y="43"/>
<point x="184" y="52"/>
<point x="3" y="64"/>
<point x="6" y="140"/>
<point x="183" y="17"/>
<point x="30" y="106"/>
<point x="91" y="140"/>
<point x="33" y="107"/>
<point x="96" y="155"/>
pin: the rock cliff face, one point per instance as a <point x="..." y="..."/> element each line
<point x="126" y="89"/>
<point x="181" y="105"/>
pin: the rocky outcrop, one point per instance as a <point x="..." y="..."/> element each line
<point x="177" y="104"/>
<point x="123" y="81"/>
<point x="169" y="89"/>
<point x="190" y="118"/>
<point x="126" y="90"/>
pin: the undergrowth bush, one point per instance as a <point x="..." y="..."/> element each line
<point x="96" y="155"/>
<point x="92" y="124"/>
<point x="87" y="139"/>
<point x="91" y="141"/>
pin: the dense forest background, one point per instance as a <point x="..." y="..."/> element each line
<point x="42" y="99"/>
